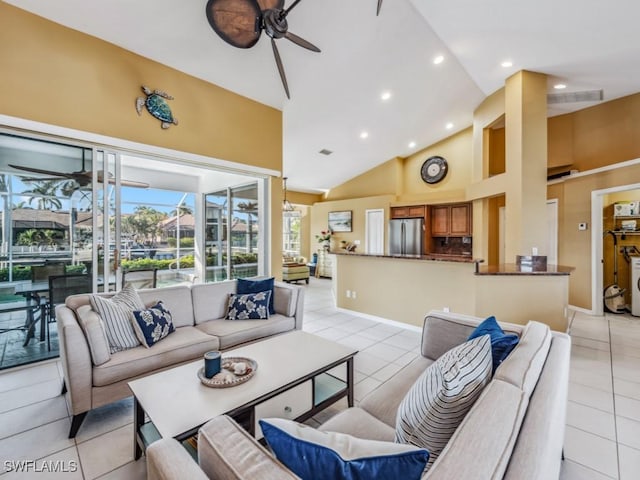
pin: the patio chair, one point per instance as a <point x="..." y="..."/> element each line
<point x="143" y="278"/>
<point x="60" y="287"/>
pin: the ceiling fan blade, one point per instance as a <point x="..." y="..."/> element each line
<point x="379" y="7"/>
<point x="301" y="41"/>
<point x="291" y="7"/>
<point x="271" y="4"/>
<point x="124" y="183"/>
<point x="235" y="21"/>
<point x="43" y="172"/>
<point x="283" y="76"/>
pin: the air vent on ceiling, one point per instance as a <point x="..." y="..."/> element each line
<point x="572" y="97"/>
<point x="324" y="151"/>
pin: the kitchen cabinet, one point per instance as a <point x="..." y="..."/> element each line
<point x="452" y="220"/>
<point x="413" y="211"/>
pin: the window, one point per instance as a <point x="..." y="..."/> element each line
<point x="291" y="234"/>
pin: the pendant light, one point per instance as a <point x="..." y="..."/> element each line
<point x="286" y="204"/>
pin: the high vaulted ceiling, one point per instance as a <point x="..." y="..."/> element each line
<point x="336" y="94"/>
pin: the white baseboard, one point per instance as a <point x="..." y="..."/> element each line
<point x="581" y="310"/>
<point x="393" y="323"/>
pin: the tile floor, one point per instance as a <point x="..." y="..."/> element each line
<point x="603" y="418"/>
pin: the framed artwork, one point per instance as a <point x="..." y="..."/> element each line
<point x="340" y="221"/>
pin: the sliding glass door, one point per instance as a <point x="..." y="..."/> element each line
<point x="233" y="236"/>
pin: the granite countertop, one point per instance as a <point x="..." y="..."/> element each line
<point x="431" y="257"/>
<point x="513" y="269"/>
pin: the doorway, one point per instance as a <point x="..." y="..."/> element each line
<point x="597" y="241"/>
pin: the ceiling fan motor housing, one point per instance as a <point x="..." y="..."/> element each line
<point x="275" y="23"/>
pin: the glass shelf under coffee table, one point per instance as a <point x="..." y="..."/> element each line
<point x="292" y="381"/>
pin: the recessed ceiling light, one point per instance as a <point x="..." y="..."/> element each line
<point x="449" y="126"/>
<point x="364" y="135"/>
<point x="385" y="95"/>
<point x="560" y="86"/>
<point x="412" y="144"/>
<point x="438" y="60"/>
<point x="507" y="64"/>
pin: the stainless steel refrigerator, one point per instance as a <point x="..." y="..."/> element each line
<point x="405" y="236"/>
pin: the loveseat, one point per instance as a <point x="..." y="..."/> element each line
<point x="514" y="431"/>
<point x="94" y="377"/>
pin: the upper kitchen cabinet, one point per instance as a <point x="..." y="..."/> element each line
<point x="412" y="211"/>
<point x="452" y="220"/>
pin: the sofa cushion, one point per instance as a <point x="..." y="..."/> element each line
<point x="441" y="397"/>
<point x="210" y="300"/>
<point x="384" y="401"/>
<point x="152" y="324"/>
<point x="227" y="452"/>
<point x="93" y="328"/>
<point x="246" y="285"/>
<point x="311" y="453"/>
<point x="242" y="331"/>
<point x="444" y="330"/>
<point x="250" y="306"/>
<point x="186" y="343"/>
<point x="522" y="368"/>
<point x="359" y="423"/>
<point x="115" y="312"/>
<point x="175" y="299"/>
<point x="501" y="343"/>
<point x="485" y="438"/>
<point x="285" y="299"/>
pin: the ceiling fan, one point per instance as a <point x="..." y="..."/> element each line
<point x="240" y="23"/>
<point x="379" y="7"/>
<point x="82" y="177"/>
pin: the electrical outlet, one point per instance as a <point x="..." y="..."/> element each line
<point x="348" y="293"/>
<point x="353" y="294"/>
<point x="356" y="242"/>
<point x="445" y="309"/>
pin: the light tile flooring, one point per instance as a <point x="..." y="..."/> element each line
<point x="603" y="418"/>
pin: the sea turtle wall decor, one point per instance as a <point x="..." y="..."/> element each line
<point x="156" y="106"/>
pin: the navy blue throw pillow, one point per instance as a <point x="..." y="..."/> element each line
<point x="257" y="286"/>
<point x="250" y="306"/>
<point x="501" y="343"/>
<point x="153" y="324"/>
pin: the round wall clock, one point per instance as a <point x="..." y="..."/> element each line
<point x="434" y="169"/>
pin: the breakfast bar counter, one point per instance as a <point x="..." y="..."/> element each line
<point x="405" y="288"/>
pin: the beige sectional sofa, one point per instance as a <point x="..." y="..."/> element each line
<point x="514" y="431"/>
<point x="95" y="377"/>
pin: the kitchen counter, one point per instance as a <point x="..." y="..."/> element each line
<point x="434" y="257"/>
<point x="513" y="269"/>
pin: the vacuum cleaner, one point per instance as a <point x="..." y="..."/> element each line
<point x="613" y="294"/>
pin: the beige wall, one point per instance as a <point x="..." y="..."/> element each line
<point x="456" y="149"/>
<point x="380" y="180"/>
<point x="358" y="206"/>
<point x="62" y="77"/>
<point x="412" y="288"/>
<point x="404" y="290"/>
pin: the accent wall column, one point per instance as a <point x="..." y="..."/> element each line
<point x="526" y="164"/>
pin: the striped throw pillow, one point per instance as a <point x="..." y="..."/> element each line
<point x="115" y="312"/>
<point x="441" y="397"/>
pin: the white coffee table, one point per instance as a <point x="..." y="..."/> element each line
<point x="292" y="381"/>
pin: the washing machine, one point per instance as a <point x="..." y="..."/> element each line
<point x="634" y="271"/>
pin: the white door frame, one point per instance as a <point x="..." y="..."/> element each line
<point x="366" y="228"/>
<point x="597" y="284"/>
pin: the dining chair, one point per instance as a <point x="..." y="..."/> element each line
<point x="62" y="286"/>
<point x="143" y="278"/>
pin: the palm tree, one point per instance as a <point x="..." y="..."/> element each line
<point x="29" y="237"/>
<point x="44" y="194"/>
<point x="251" y="209"/>
<point x="181" y="210"/>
